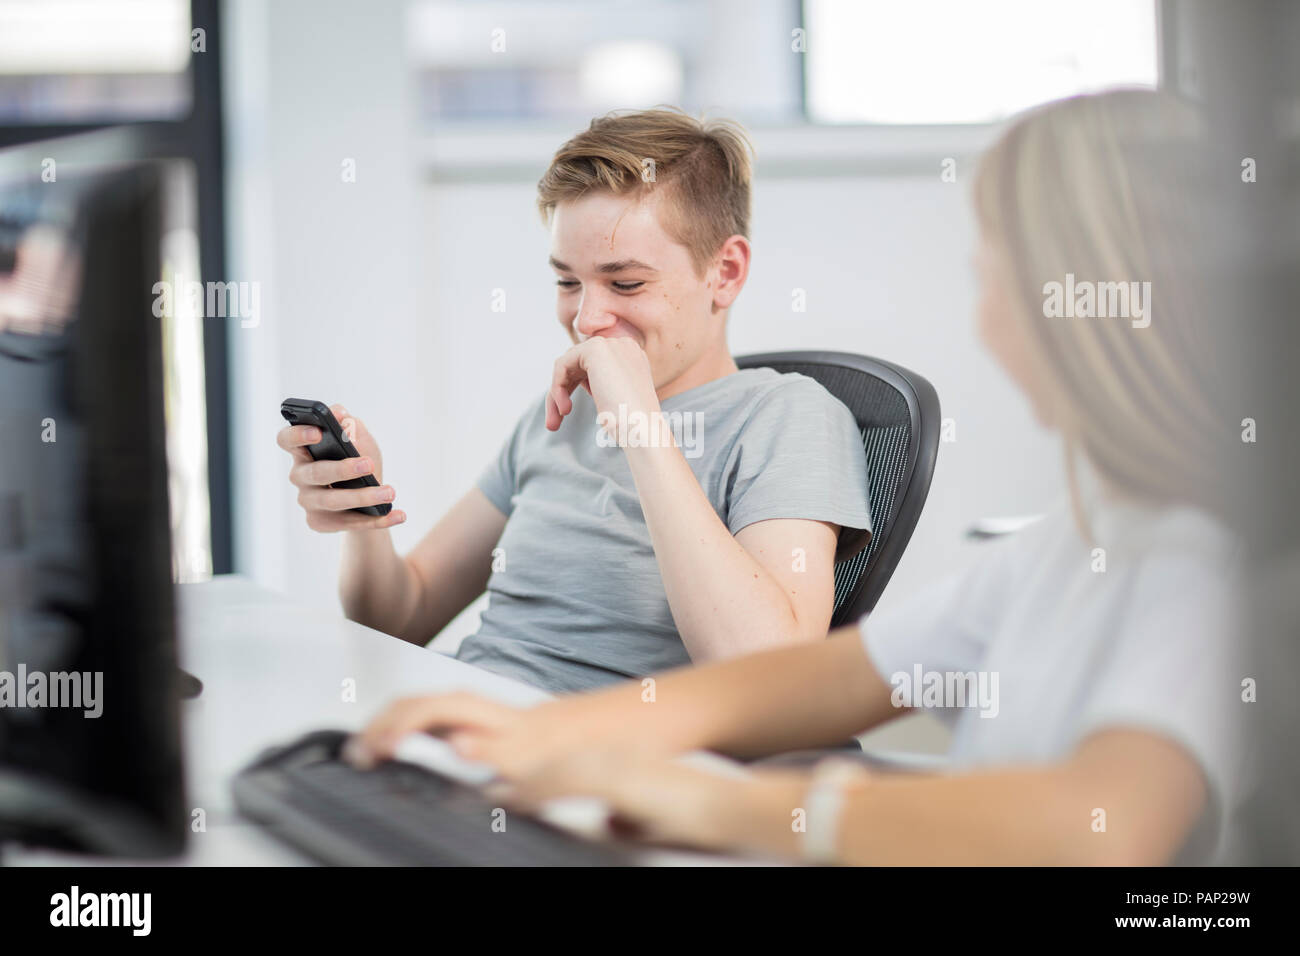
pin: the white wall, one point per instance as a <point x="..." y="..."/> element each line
<point x="378" y="294"/>
<point x="310" y="85"/>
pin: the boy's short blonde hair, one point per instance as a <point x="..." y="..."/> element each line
<point x="704" y="165"/>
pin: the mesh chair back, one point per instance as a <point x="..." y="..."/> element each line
<point x="897" y="412"/>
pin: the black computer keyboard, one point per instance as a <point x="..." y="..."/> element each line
<point x="397" y="814"/>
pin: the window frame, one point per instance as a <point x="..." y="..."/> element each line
<point x="197" y="137"/>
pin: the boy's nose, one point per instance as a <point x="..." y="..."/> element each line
<point x="591" y="321"/>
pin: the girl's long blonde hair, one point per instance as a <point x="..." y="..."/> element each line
<point x="1111" y="188"/>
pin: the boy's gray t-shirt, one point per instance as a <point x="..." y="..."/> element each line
<point x="575" y="598"/>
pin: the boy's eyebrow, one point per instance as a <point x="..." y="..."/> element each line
<point x="623" y="265"/>
<point x="606" y="268"/>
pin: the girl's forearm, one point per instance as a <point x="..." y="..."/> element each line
<point x="808" y="695"/>
<point x="1002" y="818"/>
<point x="1028" y="818"/>
<point x="1033" y="817"/>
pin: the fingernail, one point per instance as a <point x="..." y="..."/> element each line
<point x="355" y="753"/>
<point x="499" y="790"/>
<point x="362" y="466"/>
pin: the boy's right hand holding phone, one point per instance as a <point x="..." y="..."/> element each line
<point x="328" y="508"/>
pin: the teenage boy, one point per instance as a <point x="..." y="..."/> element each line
<point x="660" y="506"/>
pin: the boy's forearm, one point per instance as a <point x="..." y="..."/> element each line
<point x="723" y="601"/>
<point x="376" y="586"/>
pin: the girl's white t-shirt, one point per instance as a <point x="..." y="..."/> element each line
<point x="1048" y="638"/>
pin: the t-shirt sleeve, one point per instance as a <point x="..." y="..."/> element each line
<point x="1174" y="670"/>
<point x="499" y="481"/>
<point x="946" y="626"/>
<point x="799" y="455"/>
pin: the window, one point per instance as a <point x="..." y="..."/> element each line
<point x="568" y="60"/>
<point x="956" y="61"/>
<point x="71" y="65"/>
<point x="771" y="62"/>
<point x="74" y="61"/>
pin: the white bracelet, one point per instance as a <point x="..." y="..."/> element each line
<point x="824" y="805"/>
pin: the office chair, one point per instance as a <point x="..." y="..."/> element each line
<point x="897" y="411"/>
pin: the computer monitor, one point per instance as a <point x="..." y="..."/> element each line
<point x="90" y="756"/>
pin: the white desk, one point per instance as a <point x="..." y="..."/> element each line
<point x="273" y="669"/>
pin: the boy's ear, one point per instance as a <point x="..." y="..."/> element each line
<point x="732" y="268"/>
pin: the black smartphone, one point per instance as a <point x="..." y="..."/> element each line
<point x="333" y="446"/>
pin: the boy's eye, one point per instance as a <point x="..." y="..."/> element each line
<point x="567" y="283"/>
<point x="628" y="286"/>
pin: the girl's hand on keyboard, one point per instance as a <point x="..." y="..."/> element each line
<point x="512" y="740"/>
<point x="647" y="796"/>
<point x="460" y="717"/>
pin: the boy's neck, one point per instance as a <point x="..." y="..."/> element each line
<point x="714" y="364"/>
